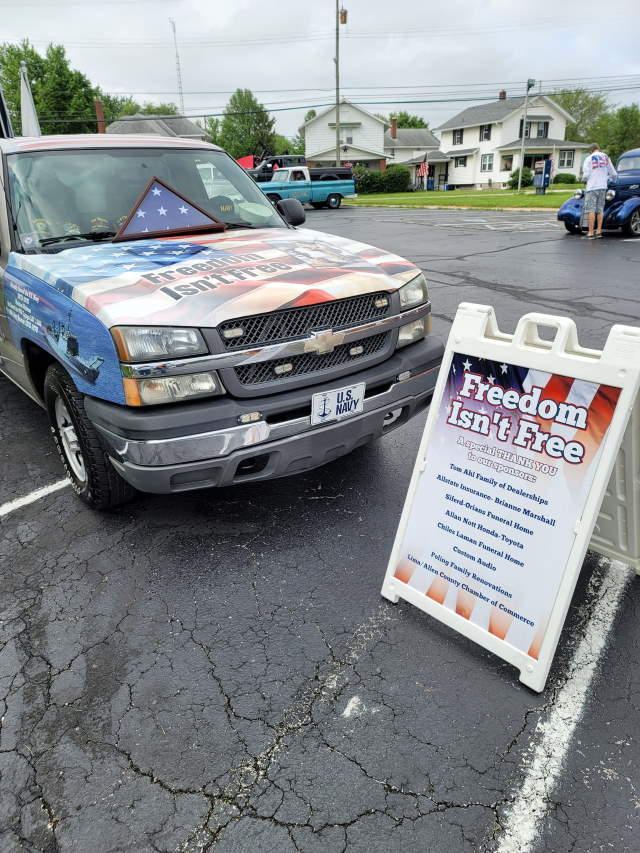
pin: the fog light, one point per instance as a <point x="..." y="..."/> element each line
<point x="236" y="332"/>
<point x="402" y="377"/>
<point x="381" y="302"/>
<point x="281" y="369"/>
<point x="411" y="333"/>
<point x="249" y="418"/>
<point x="168" y="389"/>
<point x="610" y="194"/>
<point x="357" y="350"/>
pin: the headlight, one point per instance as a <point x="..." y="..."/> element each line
<point x="610" y="194"/>
<point x="412" y="332"/>
<point x="170" y="389"/>
<point x="414" y="293"/>
<point x="149" y="343"/>
<point x="578" y="194"/>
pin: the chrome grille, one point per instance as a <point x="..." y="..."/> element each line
<point x="262" y="329"/>
<point x="264" y="371"/>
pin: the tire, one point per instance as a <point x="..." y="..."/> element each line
<point x="573" y="229"/>
<point x="93" y="477"/>
<point x="334" y="201"/>
<point x="318" y="205"/>
<point x="632" y="226"/>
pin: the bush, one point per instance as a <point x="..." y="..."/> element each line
<point x="367" y="181"/>
<point x="527" y="178"/>
<point x="565" y="178"/>
<point x="395" y="179"/>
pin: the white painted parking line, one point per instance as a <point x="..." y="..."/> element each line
<point x="11" y="506"/>
<point x="554" y="734"/>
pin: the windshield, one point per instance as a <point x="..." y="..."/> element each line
<point x="629" y="164"/>
<point x="88" y="193"/>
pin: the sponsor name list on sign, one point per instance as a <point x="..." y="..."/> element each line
<point x="511" y="459"/>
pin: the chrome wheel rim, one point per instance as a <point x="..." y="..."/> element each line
<point x="635" y="222"/>
<point x="69" y="440"/>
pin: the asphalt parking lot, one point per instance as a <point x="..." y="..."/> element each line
<point x="219" y="672"/>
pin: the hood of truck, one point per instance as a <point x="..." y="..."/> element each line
<point x="204" y="280"/>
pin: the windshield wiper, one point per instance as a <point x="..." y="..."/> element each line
<point x="96" y="236"/>
<point x="240" y="225"/>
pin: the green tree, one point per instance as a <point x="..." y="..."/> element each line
<point x="410" y="121"/>
<point x="63" y="97"/>
<point x="247" y="127"/>
<point x="212" y="129"/>
<point x="10" y="57"/>
<point x="129" y="107"/>
<point x="618" y="131"/>
<point x="587" y="110"/>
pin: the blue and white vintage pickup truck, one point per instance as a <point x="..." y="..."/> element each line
<point x="295" y="182"/>
<point x="182" y="332"/>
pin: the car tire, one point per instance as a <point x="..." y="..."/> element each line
<point x="318" y="205"/>
<point x="92" y="476"/>
<point x="632" y="226"/>
<point x="572" y="229"/>
<point x="334" y="201"/>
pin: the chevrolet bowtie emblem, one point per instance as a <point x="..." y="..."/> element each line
<point x="324" y="342"/>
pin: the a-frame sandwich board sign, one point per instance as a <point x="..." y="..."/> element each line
<point x="617" y="531"/>
<point x="519" y="445"/>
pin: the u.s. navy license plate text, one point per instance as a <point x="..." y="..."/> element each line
<point x="337" y="404"/>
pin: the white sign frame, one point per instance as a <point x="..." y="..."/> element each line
<point x="475" y="333"/>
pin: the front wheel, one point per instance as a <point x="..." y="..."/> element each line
<point x="572" y="229"/>
<point x="334" y="201"/>
<point x="93" y="477"/>
<point x="632" y="226"/>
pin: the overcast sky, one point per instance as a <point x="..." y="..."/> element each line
<point x="394" y="52"/>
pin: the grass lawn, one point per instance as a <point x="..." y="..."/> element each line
<point x="483" y="199"/>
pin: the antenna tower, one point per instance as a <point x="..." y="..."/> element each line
<point x="178" y="71"/>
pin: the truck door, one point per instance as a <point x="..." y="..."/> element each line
<point x="300" y="188"/>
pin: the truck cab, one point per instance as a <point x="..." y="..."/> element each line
<point x="296" y="182"/>
<point x="183" y="332"/>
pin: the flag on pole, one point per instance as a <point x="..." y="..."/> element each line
<point x="422" y="169"/>
<point x="28" y="115"/>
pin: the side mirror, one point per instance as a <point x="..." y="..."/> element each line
<point x="291" y="211"/>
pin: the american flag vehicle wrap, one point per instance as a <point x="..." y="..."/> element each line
<point x="202" y="281"/>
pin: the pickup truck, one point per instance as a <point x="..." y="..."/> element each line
<point x="267" y="169"/>
<point x="295" y="182"/>
<point x="182" y="332"/>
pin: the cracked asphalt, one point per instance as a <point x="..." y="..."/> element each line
<point x="217" y="671"/>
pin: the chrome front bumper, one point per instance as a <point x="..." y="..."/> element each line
<point x="189" y="447"/>
<point x="212" y="445"/>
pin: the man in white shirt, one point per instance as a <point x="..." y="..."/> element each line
<point x="596" y="171"/>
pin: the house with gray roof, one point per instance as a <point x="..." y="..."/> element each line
<point x="170" y="125"/>
<point x="483" y="142"/>
<point x="367" y="139"/>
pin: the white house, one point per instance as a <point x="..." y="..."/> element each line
<point x="483" y="142"/>
<point x="361" y="137"/>
<point x="366" y="139"/>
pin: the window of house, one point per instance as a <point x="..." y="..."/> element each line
<point x="486" y="163"/>
<point x="542" y="129"/>
<point x="460" y="161"/>
<point x="565" y="160"/>
<point x="457" y="136"/>
<point x="507" y="164"/>
<point x="485" y="132"/>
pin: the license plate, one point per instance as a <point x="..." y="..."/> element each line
<point x="337" y="404"/>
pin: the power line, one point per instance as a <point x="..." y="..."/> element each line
<point x="449" y="100"/>
<point x="551" y="82"/>
<point x="430" y="33"/>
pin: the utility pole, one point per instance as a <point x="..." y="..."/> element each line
<point x="178" y="72"/>
<point x="530" y="84"/>
<point x="341" y="18"/>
